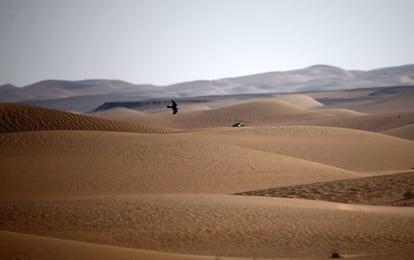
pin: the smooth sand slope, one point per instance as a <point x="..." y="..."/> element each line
<point x="66" y="163"/>
<point x="406" y="132"/>
<point x="169" y="191"/>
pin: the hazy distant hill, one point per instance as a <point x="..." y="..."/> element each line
<point x="323" y="77"/>
<point x="60" y="89"/>
<point x="86" y="95"/>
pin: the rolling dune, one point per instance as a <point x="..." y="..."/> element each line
<point x="259" y="112"/>
<point x="369" y="100"/>
<point x="400" y="102"/>
<point x="373" y="122"/>
<point x="406" y="132"/>
<point x="63" y="163"/>
<point x="348" y="149"/>
<point x="115" y="189"/>
<point x="387" y="190"/>
<point x="220" y="225"/>
<point x="300" y="100"/>
<point x="19" y="117"/>
<point x="252" y="113"/>
<point x="295" y="109"/>
<point x="23" y="246"/>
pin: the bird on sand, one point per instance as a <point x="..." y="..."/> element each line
<point x="173" y="107"/>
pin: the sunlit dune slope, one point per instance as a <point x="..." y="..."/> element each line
<point x="63" y="163"/>
<point x="406" y="132"/>
<point x="252" y="113"/>
<point x="300" y="100"/>
<point x="349" y="149"/>
<point x="119" y="113"/>
<point x="19" y="117"/>
<point x="221" y="160"/>
<point x="371" y="122"/>
<point x="339" y="112"/>
<point x="220" y="225"/>
<point x="369" y="100"/>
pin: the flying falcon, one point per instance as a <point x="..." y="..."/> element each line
<point x="173" y="107"/>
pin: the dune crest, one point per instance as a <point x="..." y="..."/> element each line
<point x="300" y="100"/>
<point x="406" y="132"/>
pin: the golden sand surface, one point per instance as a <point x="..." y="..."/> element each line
<point x="81" y="187"/>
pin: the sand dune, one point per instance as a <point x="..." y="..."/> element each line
<point x="280" y="110"/>
<point x="119" y="113"/>
<point x="340" y="112"/>
<point x="19" y="117"/>
<point x="23" y="246"/>
<point x="220" y="225"/>
<point x="114" y="189"/>
<point x="260" y="112"/>
<point x="349" y="149"/>
<point x="369" y="100"/>
<point x="394" y="103"/>
<point x="406" y="132"/>
<point x="253" y="113"/>
<point x="388" y="190"/>
<point x="41" y="164"/>
<point x="63" y="163"/>
<point x="300" y="100"/>
<point x="370" y="122"/>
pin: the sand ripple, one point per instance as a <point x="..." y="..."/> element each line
<point x="218" y="225"/>
<point x="19" y="118"/>
<point x="389" y="190"/>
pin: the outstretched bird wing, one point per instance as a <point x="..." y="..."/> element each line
<point x="173" y="107"/>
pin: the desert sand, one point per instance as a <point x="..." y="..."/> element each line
<point x="124" y="184"/>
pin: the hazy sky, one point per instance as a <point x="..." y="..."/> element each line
<point x="169" y="41"/>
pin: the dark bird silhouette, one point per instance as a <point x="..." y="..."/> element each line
<point x="238" y="124"/>
<point x="173" y="107"/>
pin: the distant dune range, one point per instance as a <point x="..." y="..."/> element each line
<point x="87" y="95"/>
<point x="146" y="184"/>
